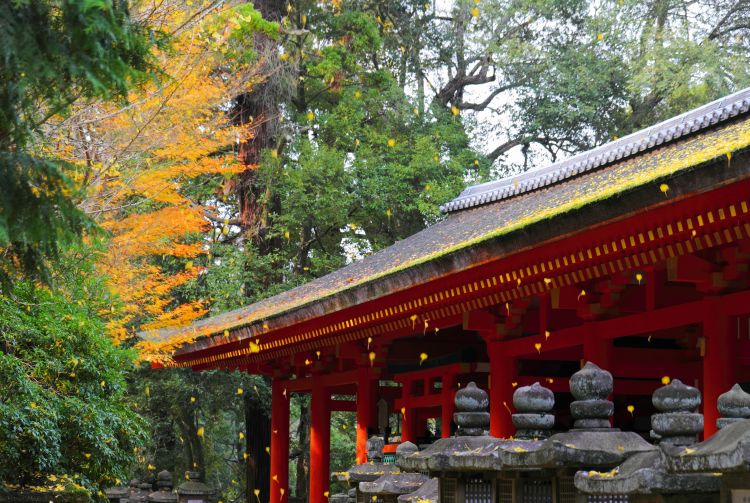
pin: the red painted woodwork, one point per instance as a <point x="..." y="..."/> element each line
<point x="279" y="442"/>
<point x="365" y="402"/>
<point x="719" y="370"/>
<point x="320" y="444"/>
<point x="502" y="377"/>
<point x="672" y="210"/>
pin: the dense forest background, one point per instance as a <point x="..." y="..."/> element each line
<point x="174" y="159"/>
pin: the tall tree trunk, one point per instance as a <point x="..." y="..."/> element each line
<point x="257" y="438"/>
<point x="303" y="460"/>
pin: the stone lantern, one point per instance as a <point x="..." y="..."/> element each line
<point x="164" y="493"/>
<point x="193" y="490"/>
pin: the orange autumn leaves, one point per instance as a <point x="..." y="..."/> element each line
<point x="135" y="160"/>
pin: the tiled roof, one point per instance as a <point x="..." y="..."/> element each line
<point x="412" y="260"/>
<point x="672" y="129"/>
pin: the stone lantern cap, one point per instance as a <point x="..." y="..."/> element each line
<point x="674" y="469"/>
<point x="734" y="406"/>
<point x="645" y="473"/>
<point x="366" y="472"/>
<point x="394" y="483"/>
<point x="194" y="487"/>
<point x="676" y="422"/>
<point x="427" y="493"/>
<point x="164" y="494"/>
<point x="471" y="414"/>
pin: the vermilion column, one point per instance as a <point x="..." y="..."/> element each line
<point x="719" y="363"/>
<point x="448" y="405"/>
<point x="502" y="374"/>
<point x="279" y="443"/>
<point x="364" y="412"/>
<point x="320" y="444"/>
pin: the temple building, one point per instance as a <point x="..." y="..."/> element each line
<point x="632" y="257"/>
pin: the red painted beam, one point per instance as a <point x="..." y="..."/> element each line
<point x="343" y="406"/>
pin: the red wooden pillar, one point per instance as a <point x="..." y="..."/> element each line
<point x="598" y="350"/>
<point x="320" y="444"/>
<point x="408" y="421"/>
<point x="502" y="374"/>
<point x="719" y="363"/>
<point x="364" y="411"/>
<point x="279" y="443"/>
<point x="448" y="405"/>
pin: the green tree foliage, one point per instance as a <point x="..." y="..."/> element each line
<point x="64" y="414"/>
<point x="53" y="53"/>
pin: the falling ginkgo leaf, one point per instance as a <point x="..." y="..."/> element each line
<point x="403" y="411"/>
<point x="666" y="380"/>
<point x="369" y="341"/>
<point x="599" y="37"/>
<point x="256" y="492"/>
<point x="581" y="294"/>
<point x="226" y="333"/>
<point x="326" y="493"/>
<point x="546" y="334"/>
<point x="455" y="110"/>
<point x="254" y="347"/>
<point x="268" y="450"/>
<point x="514" y="384"/>
<point x="242" y="435"/>
<point x="664" y="188"/>
<point x="631" y="409"/>
<point x="201" y="431"/>
<point x="192" y="399"/>
<point x="639" y="277"/>
<point x="391" y="142"/>
<point x="538" y="347"/>
<point x="371" y="356"/>
<point x="317" y="353"/>
<point x="310" y="116"/>
<point x="422" y="358"/>
<point x="240" y="391"/>
<point x="148" y="391"/>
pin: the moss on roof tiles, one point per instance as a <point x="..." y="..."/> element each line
<point x="473" y="226"/>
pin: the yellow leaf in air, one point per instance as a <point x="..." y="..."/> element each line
<point x="254" y="347"/>
<point x="245" y="455"/>
<point x="666" y="380"/>
<point x="600" y="37"/>
<point x="310" y="116"/>
<point x="151" y="467"/>
<point x="388" y="213"/>
<point x="422" y="357"/>
<point x="538" y="347"/>
<point x="631" y="409"/>
<point x="454" y="110"/>
<point x="201" y="431"/>
<point x="403" y="411"/>
<point x="514" y="384"/>
<point x="391" y="142"/>
<point x="371" y="356"/>
<point x="326" y="493"/>
<point x="88" y="455"/>
<point x="242" y="435"/>
<point x="546" y="334"/>
<point x="284" y="56"/>
<point x="148" y="391"/>
<point x="275" y="153"/>
<point x="192" y="399"/>
<point x="639" y="277"/>
<point x="475" y="12"/>
<point x="581" y="294"/>
<point x="268" y="450"/>
<point x="664" y="188"/>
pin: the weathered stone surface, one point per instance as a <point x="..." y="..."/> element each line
<point x="590" y="387"/>
<point x="726" y="450"/>
<point x="533" y="419"/>
<point x="591" y="383"/>
<point x="366" y="472"/>
<point x="575" y="449"/>
<point x="468" y="453"/>
<point x="645" y="473"/>
<point x="338" y="498"/>
<point x="676" y="423"/>
<point x="375" y="446"/>
<point x="471" y="399"/>
<point x="405" y="449"/>
<point x="427" y="493"/>
<point x="676" y="397"/>
<point x="592" y="409"/>
<point x="471" y="414"/>
<point x="535" y="398"/>
<point x="734" y="406"/>
<point x="394" y="483"/>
